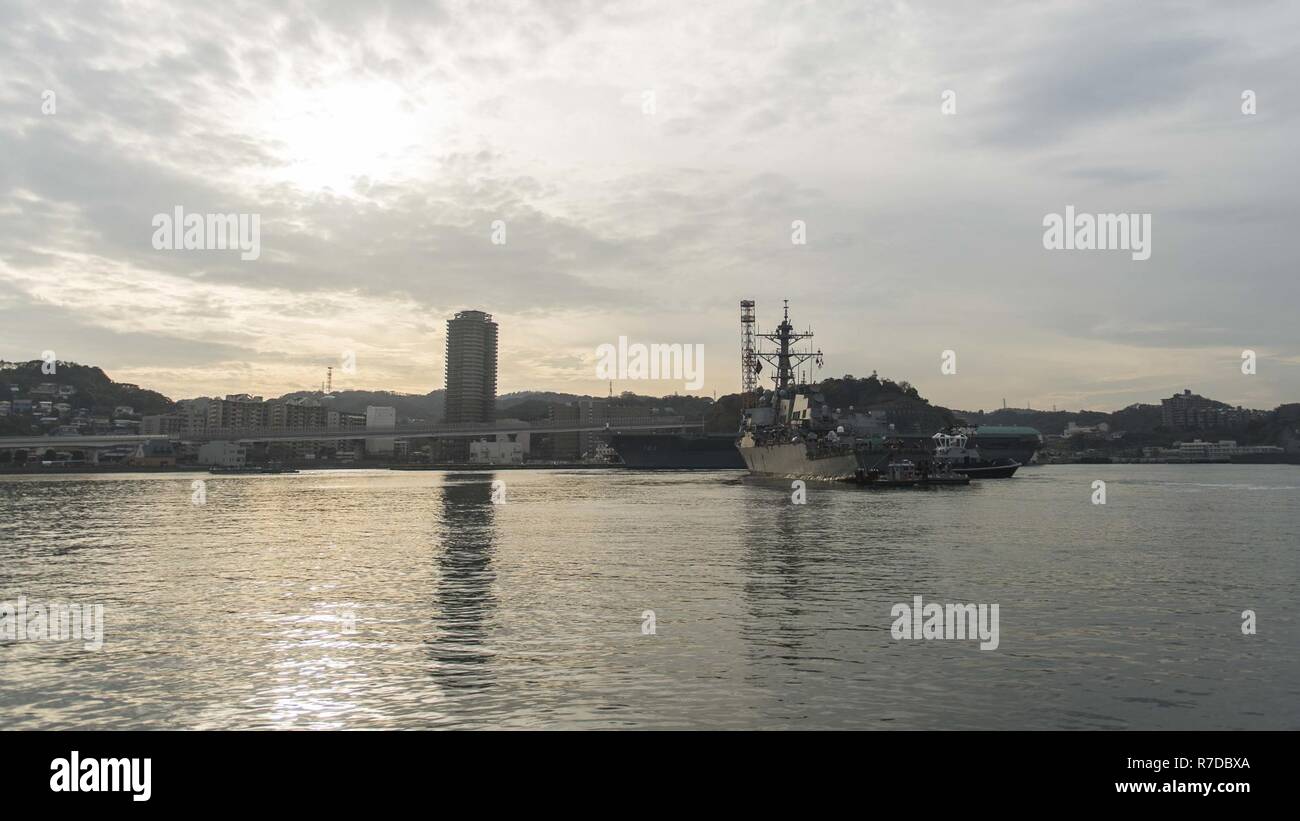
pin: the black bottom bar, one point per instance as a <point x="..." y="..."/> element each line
<point x="304" y="770"/>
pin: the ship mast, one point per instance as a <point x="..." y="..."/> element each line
<point x="785" y="358"/>
<point x="748" y="373"/>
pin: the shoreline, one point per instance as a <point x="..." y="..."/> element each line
<point x="72" y="470"/>
<point x="89" y="470"/>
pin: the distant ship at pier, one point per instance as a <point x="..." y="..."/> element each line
<point x="677" y="451"/>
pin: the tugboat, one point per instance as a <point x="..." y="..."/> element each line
<point x="953" y="451"/>
<point x="895" y="474"/>
<point x="937" y="472"/>
<point x="793" y="432"/>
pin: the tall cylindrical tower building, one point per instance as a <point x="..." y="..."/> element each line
<point x="471" y="367"/>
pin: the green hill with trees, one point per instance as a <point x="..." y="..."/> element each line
<point x="93" y="391"/>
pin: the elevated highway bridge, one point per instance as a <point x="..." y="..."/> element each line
<point x="421" y="431"/>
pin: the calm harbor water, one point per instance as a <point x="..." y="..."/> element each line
<point x="384" y="599"/>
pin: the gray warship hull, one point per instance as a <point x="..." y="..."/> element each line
<point x="795" y="461"/>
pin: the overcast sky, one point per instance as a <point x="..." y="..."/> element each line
<point x="648" y="160"/>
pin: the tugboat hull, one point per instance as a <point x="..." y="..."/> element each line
<point x="998" y="469"/>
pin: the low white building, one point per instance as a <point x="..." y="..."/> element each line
<point x="223" y="454"/>
<point x="1073" y="429"/>
<point x="496" y="453"/>
<point x="1220" y="451"/>
<point x="522" y="437"/>
<point x="603" y="454"/>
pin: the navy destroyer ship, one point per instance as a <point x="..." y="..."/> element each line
<point x="792" y="432"/>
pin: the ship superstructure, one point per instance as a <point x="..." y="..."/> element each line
<point x="791" y="431"/>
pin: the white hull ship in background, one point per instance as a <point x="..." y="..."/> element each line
<point x="793" y="433"/>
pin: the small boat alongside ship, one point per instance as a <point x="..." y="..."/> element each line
<point x="908" y="474"/>
<point x="954" y="451"/>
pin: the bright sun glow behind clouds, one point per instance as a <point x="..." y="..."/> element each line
<point x="331" y="135"/>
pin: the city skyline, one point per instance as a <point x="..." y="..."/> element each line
<point x="1186" y="395"/>
<point x="643" y="171"/>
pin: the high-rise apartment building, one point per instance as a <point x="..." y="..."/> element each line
<point x="237" y="412"/>
<point x="471" y="367"/>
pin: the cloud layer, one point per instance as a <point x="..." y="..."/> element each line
<point x="647" y="163"/>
